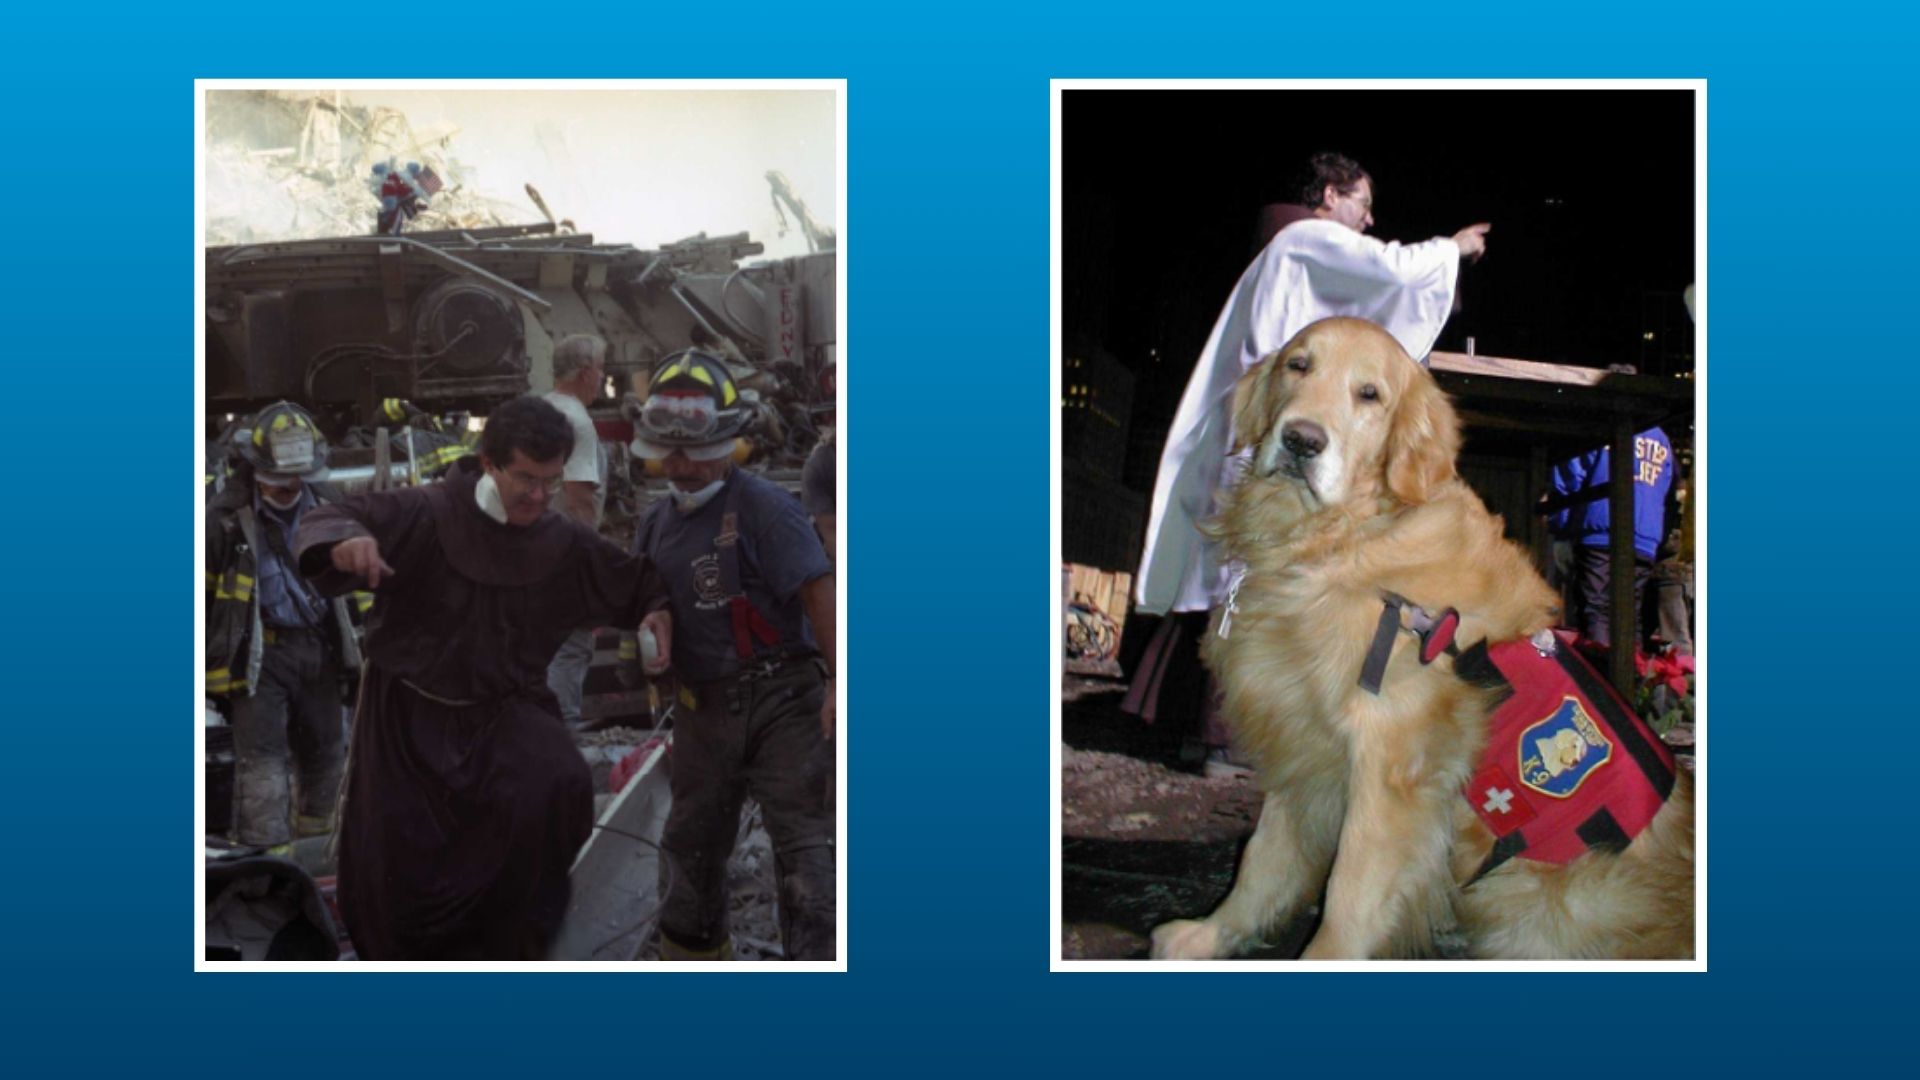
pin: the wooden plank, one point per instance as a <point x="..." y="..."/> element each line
<point x="1509" y="368"/>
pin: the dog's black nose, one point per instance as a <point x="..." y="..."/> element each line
<point x="1303" y="438"/>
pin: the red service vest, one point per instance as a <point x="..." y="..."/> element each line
<point x="1569" y="766"/>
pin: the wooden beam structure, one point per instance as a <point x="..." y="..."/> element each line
<point x="1558" y="411"/>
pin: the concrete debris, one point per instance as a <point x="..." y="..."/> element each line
<point x="1076" y="687"/>
<point x="295" y="165"/>
<point x="753" y="903"/>
<point x="1113" y="796"/>
<point x="626" y="737"/>
<point x="1133" y="822"/>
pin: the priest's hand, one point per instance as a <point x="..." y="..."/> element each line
<point x="660" y="624"/>
<point x="1472" y="241"/>
<point x="360" y="556"/>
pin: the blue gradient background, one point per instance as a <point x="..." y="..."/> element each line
<point x="1811" y="162"/>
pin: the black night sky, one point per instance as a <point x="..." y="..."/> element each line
<point x="1590" y="194"/>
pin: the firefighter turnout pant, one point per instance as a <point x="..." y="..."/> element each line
<point x="294" y="713"/>
<point x="758" y="735"/>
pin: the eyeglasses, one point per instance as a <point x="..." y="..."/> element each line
<point x="527" y="483"/>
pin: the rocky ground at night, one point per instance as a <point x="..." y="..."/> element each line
<point x="1146" y="837"/>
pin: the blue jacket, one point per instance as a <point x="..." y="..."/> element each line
<point x="1586" y="523"/>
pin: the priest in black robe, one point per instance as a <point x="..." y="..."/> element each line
<point x="466" y="799"/>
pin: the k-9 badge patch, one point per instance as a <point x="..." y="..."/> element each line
<point x="1558" y="753"/>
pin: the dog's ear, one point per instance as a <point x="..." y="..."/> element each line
<point x="1424" y="441"/>
<point x="1252" y="409"/>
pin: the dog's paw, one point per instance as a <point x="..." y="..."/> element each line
<point x="1186" y="939"/>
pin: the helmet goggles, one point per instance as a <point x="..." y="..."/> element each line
<point x="690" y="416"/>
<point x="692" y="408"/>
<point x="284" y="444"/>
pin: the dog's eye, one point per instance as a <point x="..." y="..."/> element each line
<point x="1369" y="392"/>
<point x="1300" y="364"/>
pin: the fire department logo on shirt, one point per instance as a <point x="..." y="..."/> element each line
<point x="1557" y="754"/>
<point x="706" y="582"/>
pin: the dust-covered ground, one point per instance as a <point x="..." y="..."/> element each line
<point x="1147" y="838"/>
<point x="753" y="894"/>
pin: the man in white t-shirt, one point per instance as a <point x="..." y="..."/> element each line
<point x="579" y="375"/>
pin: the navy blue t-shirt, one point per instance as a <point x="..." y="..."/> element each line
<point x="779" y="552"/>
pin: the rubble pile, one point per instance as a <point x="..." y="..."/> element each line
<point x="753" y="895"/>
<point x="1116" y="797"/>
<point x="294" y="165"/>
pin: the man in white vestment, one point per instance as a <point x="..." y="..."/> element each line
<point x="1319" y="264"/>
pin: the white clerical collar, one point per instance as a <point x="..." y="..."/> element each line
<point x="486" y="494"/>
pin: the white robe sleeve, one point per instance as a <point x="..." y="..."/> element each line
<point x="1311" y="270"/>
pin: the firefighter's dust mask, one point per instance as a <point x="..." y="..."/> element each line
<point x="279" y="495"/>
<point x="689" y="501"/>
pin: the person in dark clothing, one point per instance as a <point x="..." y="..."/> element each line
<point x="1585" y="524"/>
<point x="753" y="604"/>
<point x="276" y="650"/>
<point x="466" y="799"/>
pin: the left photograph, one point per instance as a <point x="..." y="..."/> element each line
<point x="520" y="623"/>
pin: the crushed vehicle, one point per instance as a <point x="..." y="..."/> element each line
<point x="457" y="320"/>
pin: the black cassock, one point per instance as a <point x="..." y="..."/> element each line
<point x="466" y="798"/>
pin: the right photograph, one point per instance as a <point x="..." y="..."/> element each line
<point x="1378" y="492"/>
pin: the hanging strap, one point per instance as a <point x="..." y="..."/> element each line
<point x="312" y="606"/>
<point x="1436" y="633"/>
<point x="751" y="630"/>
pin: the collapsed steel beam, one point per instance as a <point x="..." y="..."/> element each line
<point x="432" y="254"/>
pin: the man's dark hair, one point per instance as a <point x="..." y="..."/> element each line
<point x="530" y="425"/>
<point x="1329" y="168"/>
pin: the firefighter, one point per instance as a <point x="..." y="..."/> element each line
<point x="435" y="444"/>
<point x="753" y="621"/>
<point x="276" y="649"/>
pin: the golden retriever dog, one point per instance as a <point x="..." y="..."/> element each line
<point x="1352" y="494"/>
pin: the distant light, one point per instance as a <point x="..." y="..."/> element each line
<point x="1648" y="336"/>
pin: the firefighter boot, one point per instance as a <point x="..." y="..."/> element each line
<point x="673" y="950"/>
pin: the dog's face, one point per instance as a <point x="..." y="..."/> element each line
<point x="1343" y="411"/>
